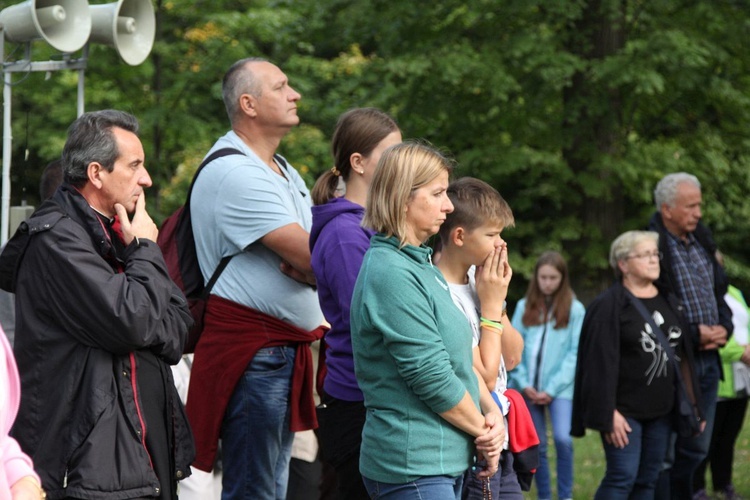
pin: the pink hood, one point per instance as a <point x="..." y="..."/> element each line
<point x="14" y="463"/>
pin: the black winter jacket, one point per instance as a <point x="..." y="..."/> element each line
<point x="79" y="324"/>
<point x="597" y="371"/>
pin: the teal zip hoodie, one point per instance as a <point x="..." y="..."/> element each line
<point x="559" y="353"/>
<point x="412" y="359"/>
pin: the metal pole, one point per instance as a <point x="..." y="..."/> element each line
<point x="25" y="66"/>
<point x="7" y="143"/>
<point x="80" y="92"/>
<point x="81" y="73"/>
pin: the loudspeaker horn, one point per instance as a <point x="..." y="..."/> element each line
<point x="127" y="25"/>
<point x="64" y="24"/>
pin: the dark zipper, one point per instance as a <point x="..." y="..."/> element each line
<point x="539" y="356"/>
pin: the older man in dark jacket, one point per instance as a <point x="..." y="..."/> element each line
<point x="689" y="269"/>
<point x="98" y="323"/>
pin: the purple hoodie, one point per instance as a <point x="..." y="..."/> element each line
<point x="338" y="244"/>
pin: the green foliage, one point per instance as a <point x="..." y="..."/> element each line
<point x="573" y="109"/>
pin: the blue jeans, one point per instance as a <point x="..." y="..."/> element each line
<point x="256" y="442"/>
<point x="633" y="471"/>
<point x="424" y="488"/>
<point x="560" y="411"/>
<point x="690" y="452"/>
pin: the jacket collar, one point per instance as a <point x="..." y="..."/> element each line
<point x="421" y="254"/>
<point x="72" y="203"/>
<point x="702" y="234"/>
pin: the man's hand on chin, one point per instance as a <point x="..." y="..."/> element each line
<point x="141" y="226"/>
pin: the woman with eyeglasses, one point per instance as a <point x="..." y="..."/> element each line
<point x="624" y="384"/>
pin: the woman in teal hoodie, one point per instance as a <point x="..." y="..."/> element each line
<point x="412" y="345"/>
<point x="549" y="319"/>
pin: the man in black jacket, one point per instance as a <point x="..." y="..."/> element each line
<point x="98" y="323"/>
<point x="690" y="270"/>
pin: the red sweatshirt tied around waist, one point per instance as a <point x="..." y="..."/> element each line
<point x="231" y="337"/>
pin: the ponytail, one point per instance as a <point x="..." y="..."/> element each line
<point x="325" y="188"/>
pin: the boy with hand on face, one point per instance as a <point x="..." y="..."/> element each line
<point x="474" y="262"/>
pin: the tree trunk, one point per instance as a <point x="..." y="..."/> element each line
<point x="593" y="125"/>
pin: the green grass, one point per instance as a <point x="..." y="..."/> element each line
<point x="589" y="464"/>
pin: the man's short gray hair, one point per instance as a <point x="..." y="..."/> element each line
<point x="239" y="80"/>
<point x="666" y="189"/>
<point x="90" y="139"/>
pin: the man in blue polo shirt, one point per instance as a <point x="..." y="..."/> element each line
<point x="263" y="311"/>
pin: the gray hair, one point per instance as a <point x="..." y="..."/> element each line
<point x="666" y="189"/>
<point x="239" y="80"/>
<point x="624" y="245"/>
<point x="90" y="139"/>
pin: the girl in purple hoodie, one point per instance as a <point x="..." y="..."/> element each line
<point x="338" y="243"/>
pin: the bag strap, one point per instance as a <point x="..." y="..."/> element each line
<point x="225" y="260"/>
<point x="219" y="153"/>
<point x="285" y="171"/>
<point x="215" y="276"/>
<point x="663" y="340"/>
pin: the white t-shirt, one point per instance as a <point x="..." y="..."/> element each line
<point x="467" y="300"/>
<point x="740" y="319"/>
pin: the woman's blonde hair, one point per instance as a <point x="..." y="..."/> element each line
<point x="402" y="169"/>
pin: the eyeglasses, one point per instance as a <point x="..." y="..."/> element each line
<point x="646" y="256"/>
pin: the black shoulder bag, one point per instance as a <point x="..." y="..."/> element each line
<point x="687" y="417"/>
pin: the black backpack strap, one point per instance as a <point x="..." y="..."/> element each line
<point x="215" y="276"/>
<point x="281" y="161"/>
<point x="660" y="336"/>
<point x="285" y="166"/>
<point x="225" y="260"/>
<point x="219" y="153"/>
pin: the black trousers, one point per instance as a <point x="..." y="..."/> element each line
<point x="340" y="426"/>
<point x="730" y="414"/>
